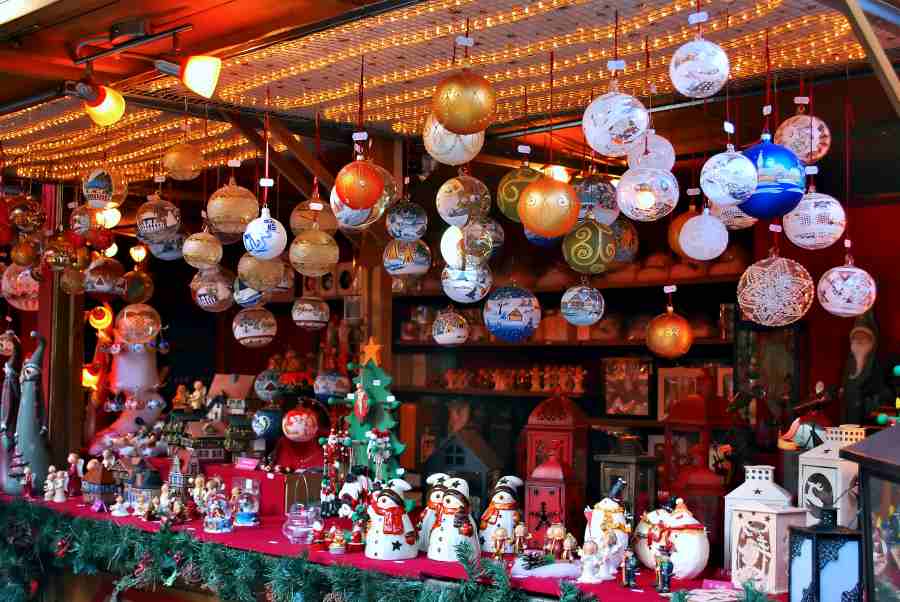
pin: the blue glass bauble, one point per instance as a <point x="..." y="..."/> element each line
<point x="781" y="178"/>
<point x="512" y="314"/>
<point x="266" y="423"/>
<point x="542" y="241"/>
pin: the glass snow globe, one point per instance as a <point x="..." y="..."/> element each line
<point x="247" y="511"/>
<point x="218" y="517"/>
<point x="298" y="526"/>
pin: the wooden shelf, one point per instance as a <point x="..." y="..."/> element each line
<point x="599" y="423"/>
<point x="474" y="392"/>
<point x="714" y="342"/>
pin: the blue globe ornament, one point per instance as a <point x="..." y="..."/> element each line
<point x="407" y="221"/>
<point x="582" y="305"/>
<point x="266" y="423"/>
<point x="542" y="241"/>
<point x="512" y="314"/>
<point x="781" y="180"/>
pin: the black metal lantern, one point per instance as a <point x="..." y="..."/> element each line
<point x="825" y="562"/>
<point x="637" y="470"/>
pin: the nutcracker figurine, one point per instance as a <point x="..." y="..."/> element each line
<point x="431" y="516"/>
<point x="502" y="511"/>
<point x="390" y="535"/>
<point x="456" y="524"/>
<point x="630" y="569"/>
<point x="664" y="569"/>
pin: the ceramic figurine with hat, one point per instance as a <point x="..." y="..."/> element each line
<point x="391" y="535"/>
<point x="630" y="569"/>
<point x="520" y="538"/>
<point x="498" y="543"/>
<point x="664" y="568"/>
<point x="502" y="511"/>
<point x="608" y="526"/>
<point x="456" y="524"/>
<point x="430" y="516"/>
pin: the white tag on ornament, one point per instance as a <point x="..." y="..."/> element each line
<point x="234" y="163"/>
<point x="203" y="214"/>
<point x="693" y="192"/>
<point x="669" y="288"/>
<point x="812" y="170"/>
<point x="774" y="228"/>
<point x="767" y="110"/>
<point x="524" y="149"/>
<point x="159" y="179"/>
<point x="351" y="396"/>
<point x="316" y="206"/>
<point x="360" y="136"/>
<point x="376" y="382"/>
<point x="652" y="89"/>
<point x="847" y="243"/>
<point x="266" y="182"/>
<point x="391" y="398"/>
<point x="617" y="65"/>
<point x="728" y="127"/>
<point x="72" y="205"/>
<point x="270" y="476"/>
<point x="697" y="18"/>
<point x="465" y="41"/>
<point x="801" y="100"/>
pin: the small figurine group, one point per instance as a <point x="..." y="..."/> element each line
<point x="567" y="378"/>
<point x="55" y="485"/>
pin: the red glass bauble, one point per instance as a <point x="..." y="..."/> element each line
<point x="100" y="238"/>
<point x="359" y="185"/>
<point x="300" y="424"/>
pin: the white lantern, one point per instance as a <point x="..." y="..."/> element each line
<point x="614" y="121"/>
<point x="646" y="194"/>
<point x="699" y="68"/>
<point x="728" y="178"/>
<point x="817" y="222"/>
<point x="846" y="291"/>
<point x="449" y="148"/>
<point x="732" y="216"/>
<point x="703" y="237"/>
<point x="652" y="150"/>
<point x="759" y="487"/>
<point x="759" y="537"/>
<point x="265" y="237"/>
<point x="824" y="478"/>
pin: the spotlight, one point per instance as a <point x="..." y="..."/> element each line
<point x="103" y="105"/>
<point x="109" y="218"/>
<point x="199" y="73"/>
<point x="558" y="173"/>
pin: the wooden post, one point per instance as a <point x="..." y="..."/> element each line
<point x="282" y="134"/>
<point x="879" y="60"/>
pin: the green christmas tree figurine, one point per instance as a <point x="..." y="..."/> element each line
<point x="370" y="423"/>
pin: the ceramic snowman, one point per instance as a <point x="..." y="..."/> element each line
<point x="608" y="527"/>
<point x="502" y="511"/>
<point x="391" y="535"/>
<point x="432" y="508"/>
<point x="689" y="540"/>
<point x="647" y="533"/>
<point x="456" y="524"/>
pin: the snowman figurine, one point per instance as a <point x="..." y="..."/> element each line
<point x="502" y="511"/>
<point x="689" y="542"/>
<point x="608" y="526"/>
<point x="432" y="511"/>
<point x="456" y="524"/>
<point x="391" y="535"/>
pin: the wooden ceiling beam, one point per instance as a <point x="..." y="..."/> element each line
<point x="282" y="134"/>
<point x="879" y="60"/>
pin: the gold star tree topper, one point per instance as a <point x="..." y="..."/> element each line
<point x="370" y="351"/>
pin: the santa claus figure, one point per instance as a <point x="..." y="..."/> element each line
<point x="432" y="511"/>
<point x="502" y="511"/>
<point x="456" y="524"/>
<point x="390" y="535"/>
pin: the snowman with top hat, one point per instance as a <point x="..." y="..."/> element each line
<point x="607" y="525"/>
<point x="432" y="511"/>
<point x="502" y="511"/>
<point x="390" y="535"/>
<point x="456" y="524"/>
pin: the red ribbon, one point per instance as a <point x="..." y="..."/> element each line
<point x="665" y="534"/>
<point x="768" y="83"/>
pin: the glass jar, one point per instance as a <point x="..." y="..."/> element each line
<point x="298" y="526"/>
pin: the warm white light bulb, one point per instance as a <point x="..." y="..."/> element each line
<point x="109" y="218"/>
<point x="111" y="250"/>
<point x="558" y="173"/>
<point x="645" y="199"/>
<point x="138" y="253"/>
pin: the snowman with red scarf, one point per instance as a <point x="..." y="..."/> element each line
<point x="391" y="535"/>
<point x="456" y="524"/>
<point x="502" y="511"/>
<point x="432" y="512"/>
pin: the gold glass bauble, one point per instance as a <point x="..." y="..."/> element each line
<point x="464" y="102"/>
<point x="254" y="327"/>
<point x="590" y="248"/>
<point x="675" y="228"/>
<point x="202" y="250"/>
<point x="184" y="161"/>
<point x="669" y="335"/>
<point x="137" y="286"/>
<point x="213" y="289"/>
<point x="549" y="207"/>
<point x="314" y="253"/>
<point x="25" y="213"/>
<point x="510" y="189"/>
<point x="260" y="274"/>
<point x="230" y="209"/>
<point x="25" y="253"/>
<point x="58" y="253"/>
<point x="313" y="211"/>
<point x="71" y="281"/>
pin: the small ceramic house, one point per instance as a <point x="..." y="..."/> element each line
<point x="825" y="478"/>
<point x="98" y="484"/>
<point x="758" y="487"/>
<point x="145" y="481"/>
<point x="467" y="455"/>
<point x="206" y="439"/>
<point x="237" y="389"/>
<point x="185" y="467"/>
<point x="759" y="540"/>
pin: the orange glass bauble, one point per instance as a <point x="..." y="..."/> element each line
<point x="669" y="335"/>
<point x="359" y="185"/>
<point x="81" y="259"/>
<point x="675" y="229"/>
<point x="464" y="102"/>
<point x="25" y="253"/>
<point x="549" y="207"/>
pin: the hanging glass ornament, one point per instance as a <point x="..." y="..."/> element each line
<point x="71" y="281"/>
<point x="25" y="213"/>
<point x="84" y="219"/>
<point x="248" y="297"/>
<point x="512" y="314"/>
<point x="19" y="288"/>
<point x="136" y="286"/>
<point x="817" y="222"/>
<point x="101" y="279"/>
<point x="728" y="178"/>
<point x="449" y="148"/>
<point x="310" y="313"/>
<point x="138" y="323"/>
<point x="464" y="102"/>
<point x="213" y="289"/>
<point x="183" y="162"/>
<point x="732" y="216"/>
<point x="59" y="253"/>
<point x="699" y="68"/>
<point x="450" y="328"/>
<point x="229" y="210"/>
<point x="542" y="241"/>
<point x="483" y="238"/>
<point x="669" y="335"/>
<point x="313" y="211"/>
<point x="775" y="291"/>
<point x="406" y="259"/>
<point x="25" y="253"/>
<point x="202" y="250"/>
<point x="627" y="242"/>
<point x="453" y="247"/>
<point x="461" y="198"/>
<point x="652" y="150"/>
<point x="590" y="248"/>
<point x="82" y="259"/>
<point x="582" y="305"/>
<point x="261" y="274"/>
<point x="675" y="227"/>
<point x="104" y="188"/>
<point x="780" y="180"/>
<point x="614" y="121"/>
<point x="646" y="194"/>
<point x="170" y="248"/>
<point x="407" y="221"/>
<point x="359" y="185"/>
<point x="806" y="136"/>
<point x="549" y="207"/>
<point x="703" y="237"/>
<point x="598" y="198"/>
<point x="254" y="327"/>
<point x="467" y="285"/>
<point x="313" y="253"/>
<point x="347" y="217"/>
<point x="157" y="220"/>
<point x="847" y="291"/>
<point x="265" y="237"/>
<point x="511" y="186"/>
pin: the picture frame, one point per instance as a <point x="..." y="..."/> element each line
<point x="673" y="384"/>
<point x="626" y="386"/>
<point x="725" y="382"/>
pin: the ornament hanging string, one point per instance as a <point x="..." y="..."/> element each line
<point x="699" y="22"/>
<point x="649" y="92"/>
<point x="848" y="124"/>
<point x="362" y="72"/>
<point x="616" y="37"/>
<point x="812" y="176"/>
<point x="550" y="127"/>
<point x="768" y="86"/>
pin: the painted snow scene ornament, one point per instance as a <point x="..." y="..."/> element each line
<point x="310" y="313"/>
<point x="461" y="198"/>
<point x="407" y="221"/>
<point x="157" y="220"/>
<point x="775" y="291"/>
<point x="246" y="296"/>
<point x="483" y="238"/>
<point x="406" y="259"/>
<point x="817" y="222"/>
<point x="254" y="327"/>
<point x="330" y="383"/>
<point x="511" y="186"/>
<point x="450" y="328"/>
<point x="598" y="199"/>
<point x="448" y="148"/>
<point x="353" y="219"/>
<point x="582" y="305"/>
<point x="170" y="249"/>
<point x="614" y="121"/>
<point x="781" y="177"/>
<point x="265" y="237"/>
<point x="699" y="68"/>
<point x="467" y="285"/>
<point x="104" y="188"/>
<point x="390" y="535"/>
<point x="652" y="150"/>
<point x="806" y="136"/>
<point x="846" y="291"/>
<point x="728" y="178"/>
<point x="512" y="314"/>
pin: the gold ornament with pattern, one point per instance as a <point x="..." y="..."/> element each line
<point x="464" y="102"/>
<point x="669" y="335"/>
<point x="511" y="187"/>
<point x="549" y="207"/>
<point x="590" y="248"/>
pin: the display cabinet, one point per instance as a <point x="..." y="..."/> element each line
<point x="825" y="562"/>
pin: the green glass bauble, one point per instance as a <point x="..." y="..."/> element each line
<point x="511" y="187"/>
<point x="590" y="247"/>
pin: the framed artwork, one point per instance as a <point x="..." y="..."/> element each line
<point x="626" y="386"/>
<point x="673" y="384"/>
<point x="725" y="382"/>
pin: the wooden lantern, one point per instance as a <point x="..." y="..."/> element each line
<point x="825" y="478"/>
<point x="759" y="536"/>
<point x="638" y="470"/>
<point x="551" y="496"/>
<point x="557" y="424"/>
<point x="758" y="487"/>
<point x="825" y="562"/>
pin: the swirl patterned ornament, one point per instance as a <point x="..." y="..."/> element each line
<point x="699" y="68"/>
<point x="817" y="222"/>
<point x="614" y="121"/>
<point x="728" y="178"/>
<point x="806" y="136"/>
<point x="512" y="314"/>
<point x="846" y="291"/>
<point x="582" y="305"/>
<point x="510" y="189"/>
<point x="450" y="328"/>
<point x="590" y="248"/>
<point x="598" y="198"/>
<point x="461" y="198"/>
<point x="448" y="148"/>
<point x="549" y="207"/>
<point x="775" y="291"/>
<point x="467" y="285"/>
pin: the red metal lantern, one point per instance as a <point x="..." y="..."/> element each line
<point x="359" y="185"/>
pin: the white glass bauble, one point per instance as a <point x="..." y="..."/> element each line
<point x="482" y="238"/>
<point x="806" y="135"/>
<point x="703" y="237"/>
<point x="461" y="198"/>
<point x="652" y="150"/>
<point x="728" y="178"/>
<point x="732" y="216"/>
<point x="254" y="327"/>
<point x="265" y="237"/>
<point x="598" y="198"/>
<point x="646" y="194"/>
<point x="157" y="220"/>
<point x="846" y="291"/>
<point x="407" y="221"/>
<point x="817" y="222"/>
<point x="406" y="259"/>
<point x="582" y="305"/>
<point x="775" y="291"/>
<point x="310" y="313"/>
<point x="450" y="328"/>
<point x="453" y="247"/>
<point x="614" y="121"/>
<point x="449" y="148"/>
<point x="699" y="68"/>
<point x="213" y="289"/>
<point x="467" y="285"/>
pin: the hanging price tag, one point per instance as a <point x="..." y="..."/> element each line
<point x="360" y="136"/>
<point x="524" y="149"/>
<point x="351" y="396"/>
<point x="391" y="398"/>
<point x="693" y="192"/>
<point x="812" y="170"/>
<point x="316" y="206"/>
<point x="728" y="127"/>
<point x="652" y="91"/>
<point x="697" y="18"/>
<point x="617" y="65"/>
<point x="466" y="41"/>
<point x="234" y="163"/>
<point x="847" y="243"/>
<point x="801" y="100"/>
<point x="774" y="228"/>
<point x="767" y="110"/>
<point x="72" y="205"/>
<point x="266" y="182"/>
<point x="376" y="382"/>
<point x="669" y="289"/>
<point x="159" y="179"/>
